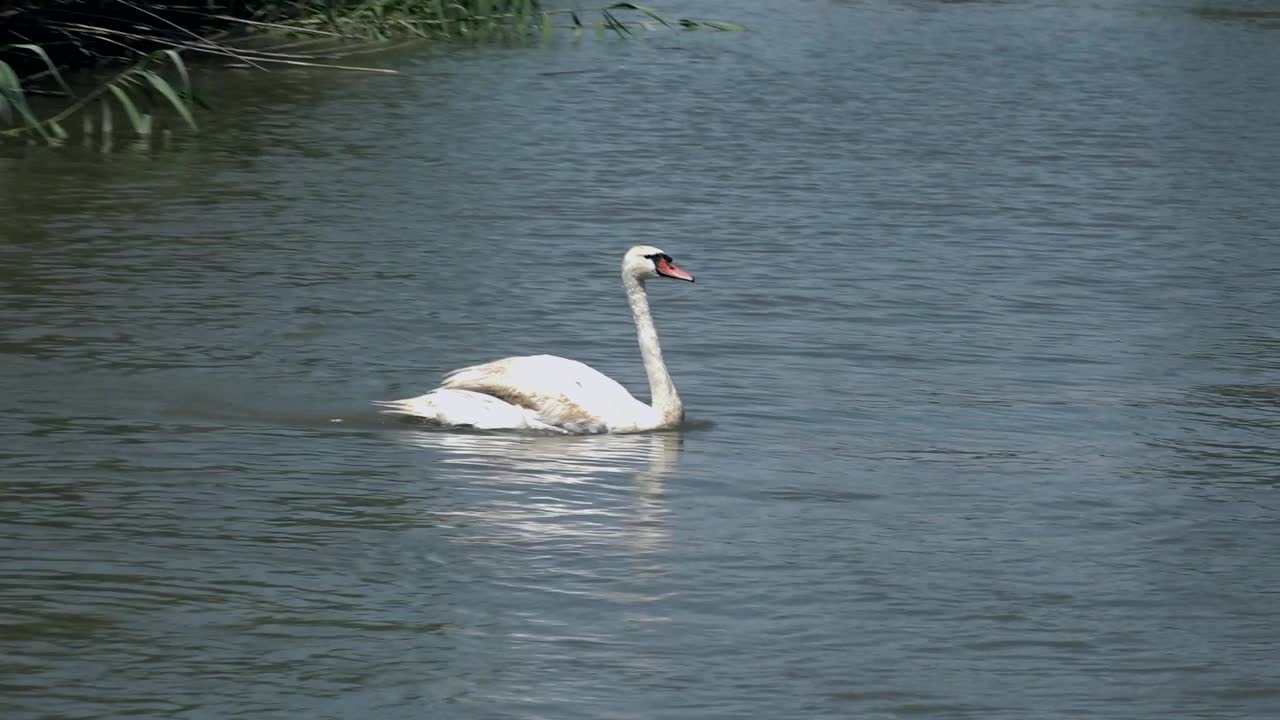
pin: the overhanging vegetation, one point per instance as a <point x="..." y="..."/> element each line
<point x="42" y="42"/>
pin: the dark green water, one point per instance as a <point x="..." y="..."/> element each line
<point x="981" y="368"/>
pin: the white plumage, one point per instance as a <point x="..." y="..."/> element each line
<point x="547" y="392"/>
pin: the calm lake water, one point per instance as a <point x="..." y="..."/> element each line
<point x="981" y="371"/>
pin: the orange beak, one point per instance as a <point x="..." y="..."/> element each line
<point x="671" y="271"/>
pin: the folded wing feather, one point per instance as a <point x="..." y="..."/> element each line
<point x="560" y="391"/>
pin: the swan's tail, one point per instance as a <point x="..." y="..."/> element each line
<point x="465" y="408"/>
<point x="409" y="406"/>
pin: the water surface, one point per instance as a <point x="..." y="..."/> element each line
<point x="980" y="369"/>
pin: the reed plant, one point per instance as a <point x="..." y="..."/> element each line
<point x="150" y="45"/>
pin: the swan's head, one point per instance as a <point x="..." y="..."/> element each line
<point x="644" y="262"/>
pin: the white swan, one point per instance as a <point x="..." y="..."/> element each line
<point x="546" y="392"/>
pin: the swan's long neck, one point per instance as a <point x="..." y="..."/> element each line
<point x="665" y="398"/>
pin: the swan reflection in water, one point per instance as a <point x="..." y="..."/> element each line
<point x="556" y="490"/>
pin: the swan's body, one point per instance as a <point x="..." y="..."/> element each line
<point x="547" y="392"/>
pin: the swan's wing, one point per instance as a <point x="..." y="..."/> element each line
<point x="464" y="408"/>
<point x="560" y="391"/>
